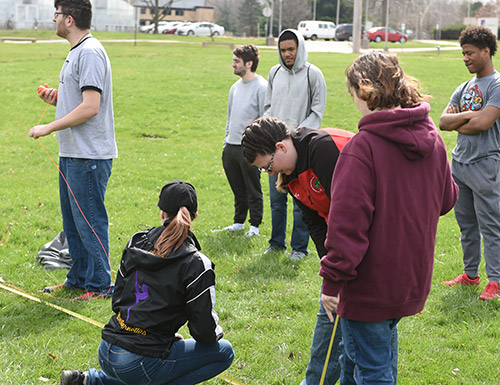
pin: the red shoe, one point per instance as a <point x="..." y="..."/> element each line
<point x="491" y="291"/>
<point x="462" y="279"/>
<point x="50" y="289"/>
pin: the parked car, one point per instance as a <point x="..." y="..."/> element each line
<point x="173" y="27"/>
<point x="151" y="27"/>
<point x="163" y="27"/>
<point x="344" y="32"/>
<point x="200" y="29"/>
<point x="315" y="29"/>
<point x="378" y="34"/>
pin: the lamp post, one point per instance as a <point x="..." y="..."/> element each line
<point x="386" y="47"/>
<point x="356" y="28"/>
<point x="338" y="13"/>
<point x="279" y="24"/>
<point x="272" y="17"/>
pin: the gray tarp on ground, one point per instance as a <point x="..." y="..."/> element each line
<point x="55" y="254"/>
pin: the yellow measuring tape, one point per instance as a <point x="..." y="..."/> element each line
<point x="83" y="318"/>
<point x="322" y="380"/>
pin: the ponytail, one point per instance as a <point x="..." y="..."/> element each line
<point x="174" y="234"/>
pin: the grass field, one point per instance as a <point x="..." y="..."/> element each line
<point x="170" y="112"/>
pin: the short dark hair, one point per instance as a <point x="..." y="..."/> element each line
<point x="377" y="78"/>
<point x="79" y="10"/>
<point x="248" y="53"/>
<point x="261" y="136"/>
<point x="288" y="35"/>
<point x="480" y="37"/>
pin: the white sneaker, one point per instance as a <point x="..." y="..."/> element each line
<point x="253" y="232"/>
<point x="297" y="255"/>
<point x="235" y="227"/>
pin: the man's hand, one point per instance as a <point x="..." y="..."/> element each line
<point x="330" y="303"/>
<point x="452" y="109"/>
<point x="48" y="95"/>
<point x="38" y="131"/>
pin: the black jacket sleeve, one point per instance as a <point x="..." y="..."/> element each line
<point x="200" y="300"/>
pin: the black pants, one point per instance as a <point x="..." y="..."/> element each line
<point x="244" y="180"/>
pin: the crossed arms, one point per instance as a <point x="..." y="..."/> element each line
<point x="468" y="122"/>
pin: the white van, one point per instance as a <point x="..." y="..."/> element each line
<point x="316" y="29"/>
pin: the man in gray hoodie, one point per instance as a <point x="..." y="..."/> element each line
<point x="296" y="94"/>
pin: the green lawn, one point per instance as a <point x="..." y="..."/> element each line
<point x="170" y="111"/>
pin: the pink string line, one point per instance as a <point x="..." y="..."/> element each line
<point x="73" y="195"/>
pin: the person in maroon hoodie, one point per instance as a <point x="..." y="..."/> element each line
<point x="391" y="183"/>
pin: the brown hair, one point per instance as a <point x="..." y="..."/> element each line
<point x="248" y="53"/>
<point x="174" y="234"/>
<point x="378" y="79"/>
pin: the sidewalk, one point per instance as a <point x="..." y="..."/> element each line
<point x="346" y="46"/>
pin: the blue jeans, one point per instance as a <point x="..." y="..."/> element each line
<point x="189" y="362"/>
<point x="88" y="179"/>
<point x="370" y="352"/>
<point x="300" y="235"/>
<point x="319" y="348"/>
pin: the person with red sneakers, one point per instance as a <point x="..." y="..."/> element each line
<point x="163" y="282"/>
<point x="85" y="131"/>
<point x="474" y="112"/>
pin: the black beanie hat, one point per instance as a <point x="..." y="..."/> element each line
<point x="176" y="194"/>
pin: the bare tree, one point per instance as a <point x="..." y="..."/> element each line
<point x="421" y="16"/>
<point x="158" y="10"/>
<point x="292" y="11"/>
<point x="489" y="10"/>
<point x="226" y="13"/>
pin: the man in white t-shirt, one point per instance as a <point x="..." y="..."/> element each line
<point x="85" y="131"/>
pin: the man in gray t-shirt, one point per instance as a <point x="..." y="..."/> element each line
<point x="474" y="112"/>
<point x="245" y="104"/>
<point x="85" y="132"/>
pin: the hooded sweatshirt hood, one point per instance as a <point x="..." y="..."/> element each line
<point x="411" y="128"/>
<point x="296" y="95"/>
<point x="301" y="58"/>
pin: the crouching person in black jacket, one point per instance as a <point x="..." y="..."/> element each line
<point x="163" y="282"/>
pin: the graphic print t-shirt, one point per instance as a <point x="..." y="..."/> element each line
<point x="475" y="95"/>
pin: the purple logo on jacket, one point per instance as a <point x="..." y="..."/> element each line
<point x="141" y="293"/>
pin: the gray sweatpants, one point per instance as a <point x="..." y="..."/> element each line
<point x="478" y="214"/>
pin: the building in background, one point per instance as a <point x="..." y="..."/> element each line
<point x="108" y="15"/>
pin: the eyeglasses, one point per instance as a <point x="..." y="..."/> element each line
<point x="60" y="13"/>
<point x="270" y="167"/>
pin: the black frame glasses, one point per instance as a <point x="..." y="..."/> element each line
<point x="270" y="167"/>
<point x="60" y="13"/>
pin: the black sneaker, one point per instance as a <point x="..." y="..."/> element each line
<point x="72" y="377"/>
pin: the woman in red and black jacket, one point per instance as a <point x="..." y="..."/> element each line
<point x="305" y="160"/>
